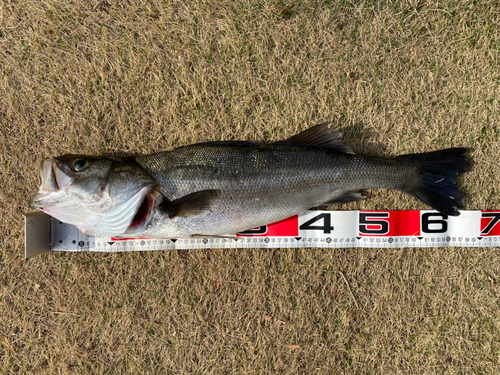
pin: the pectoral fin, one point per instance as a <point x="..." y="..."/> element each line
<point x="190" y="205"/>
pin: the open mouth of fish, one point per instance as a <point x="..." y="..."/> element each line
<point x="53" y="178"/>
<point x="131" y="216"/>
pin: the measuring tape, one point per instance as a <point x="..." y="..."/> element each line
<point x="329" y="229"/>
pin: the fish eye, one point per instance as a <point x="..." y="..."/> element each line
<point x="80" y="164"/>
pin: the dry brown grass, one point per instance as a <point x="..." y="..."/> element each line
<point x="104" y="76"/>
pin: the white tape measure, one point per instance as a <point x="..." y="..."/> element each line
<point x="329" y="229"/>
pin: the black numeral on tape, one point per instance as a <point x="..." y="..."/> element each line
<point x="438" y="221"/>
<point x="259" y="230"/>
<point x="326" y="227"/>
<point x="495" y="219"/>
<point x="366" y="219"/>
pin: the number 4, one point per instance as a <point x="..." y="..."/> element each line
<point x="326" y="227"/>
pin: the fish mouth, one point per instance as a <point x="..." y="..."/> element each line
<point x="54" y="180"/>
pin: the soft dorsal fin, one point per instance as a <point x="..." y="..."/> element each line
<point x="319" y="135"/>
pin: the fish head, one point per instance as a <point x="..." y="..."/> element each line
<point x="100" y="195"/>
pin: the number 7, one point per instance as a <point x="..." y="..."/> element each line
<point x="492" y="223"/>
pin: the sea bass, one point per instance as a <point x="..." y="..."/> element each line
<point x="221" y="188"/>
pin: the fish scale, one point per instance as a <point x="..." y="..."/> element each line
<point x="261" y="184"/>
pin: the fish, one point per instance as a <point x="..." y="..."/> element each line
<point x="226" y="187"/>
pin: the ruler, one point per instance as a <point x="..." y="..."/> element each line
<point x="328" y="229"/>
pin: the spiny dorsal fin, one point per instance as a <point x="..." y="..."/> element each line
<point x="319" y="135"/>
<point x="190" y="205"/>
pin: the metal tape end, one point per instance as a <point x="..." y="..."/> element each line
<point x="36" y="234"/>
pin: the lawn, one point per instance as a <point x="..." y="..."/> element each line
<point x="107" y="76"/>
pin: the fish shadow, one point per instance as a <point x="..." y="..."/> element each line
<point x="362" y="140"/>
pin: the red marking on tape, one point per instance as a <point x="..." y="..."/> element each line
<point x="490" y="223"/>
<point x="284" y="228"/>
<point x="393" y="224"/>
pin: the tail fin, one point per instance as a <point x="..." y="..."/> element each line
<point x="438" y="178"/>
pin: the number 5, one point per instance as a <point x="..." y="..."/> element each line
<point x="365" y="220"/>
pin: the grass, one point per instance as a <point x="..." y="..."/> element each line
<point x="104" y="76"/>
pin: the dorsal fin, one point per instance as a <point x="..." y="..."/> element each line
<point x="318" y="135"/>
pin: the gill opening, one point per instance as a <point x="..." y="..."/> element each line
<point x="140" y="219"/>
